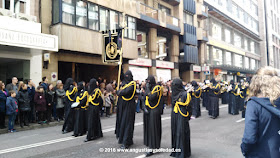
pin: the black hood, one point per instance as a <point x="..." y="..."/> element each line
<point x="231" y="82"/>
<point x="92" y="85"/>
<point x="151" y="80"/>
<point x="265" y="102"/>
<point x="128" y="77"/>
<point x="213" y="81"/>
<point x="68" y="83"/>
<point x="177" y="88"/>
<point x="194" y="84"/>
<point x="80" y="86"/>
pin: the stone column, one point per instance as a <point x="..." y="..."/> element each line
<point x="152" y="48"/>
<point x="174" y="50"/>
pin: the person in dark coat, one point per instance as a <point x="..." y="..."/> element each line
<point x="24" y="105"/>
<point x="12" y="110"/>
<point x="152" y="115"/>
<point x="196" y="94"/>
<point x="60" y="102"/>
<point x="180" y="116"/>
<point x="225" y="94"/>
<point x="242" y="97"/>
<point x="214" y="99"/>
<point x="261" y="137"/>
<point x="3" y="98"/>
<point x="50" y="98"/>
<point x="40" y="104"/>
<point x="232" y="105"/>
<point x="126" y="108"/>
<point x="70" y="90"/>
<point x="80" y="120"/>
<point x="95" y="103"/>
<point x="31" y="92"/>
<point x="45" y="83"/>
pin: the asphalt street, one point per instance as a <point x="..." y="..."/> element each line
<point x="210" y="138"/>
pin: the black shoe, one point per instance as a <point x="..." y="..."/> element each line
<point x="124" y="147"/>
<point x="149" y="154"/>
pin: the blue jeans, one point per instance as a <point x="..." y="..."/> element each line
<point x="12" y="118"/>
<point x="138" y="106"/>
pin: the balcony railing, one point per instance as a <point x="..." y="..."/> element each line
<point x="158" y="17"/>
<point x="172" y="20"/>
<point x="148" y="11"/>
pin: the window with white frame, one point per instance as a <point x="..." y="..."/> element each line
<point x="188" y="18"/>
<point x="246" y="43"/>
<point x="228" y="58"/>
<point x="238" y="60"/>
<point x="217" y="30"/>
<point x="227" y="35"/>
<point x="217" y="56"/>
<point x="93" y="16"/>
<point x="252" y="46"/>
<point x="81" y="13"/>
<point x="237" y="40"/>
<point x="253" y="64"/>
<point x="68" y="11"/>
<point x="131" y="31"/>
<point x="247" y="63"/>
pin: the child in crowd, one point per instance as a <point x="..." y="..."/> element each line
<point x="11" y="110"/>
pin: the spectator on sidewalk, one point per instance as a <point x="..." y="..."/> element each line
<point x="108" y="102"/>
<point x="12" y="110"/>
<point x="54" y="112"/>
<point x="13" y="85"/>
<point x="24" y="105"/>
<point x="60" y="93"/>
<point x="3" y="98"/>
<point x="50" y="94"/>
<point x="31" y="93"/>
<point x="45" y="83"/>
<point x="40" y="104"/>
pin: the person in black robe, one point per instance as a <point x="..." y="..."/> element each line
<point x="205" y="97"/>
<point x="70" y="90"/>
<point x="126" y="108"/>
<point x="224" y="94"/>
<point x="152" y="115"/>
<point x="196" y="94"/>
<point x="232" y="106"/>
<point x="243" y="95"/>
<point x="95" y="104"/>
<point x="180" y="116"/>
<point x="80" y="120"/>
<point x="214" y="99"/>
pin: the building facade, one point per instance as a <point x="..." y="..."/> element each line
<point x="235" y="47"/>
<point x="272" y="28"/>
<point x="22" y="42"/>
<point x="150" y="45"/>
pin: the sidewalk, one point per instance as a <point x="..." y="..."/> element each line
<point x="33" y="126"/>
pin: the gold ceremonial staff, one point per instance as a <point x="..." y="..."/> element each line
<point x="121" y="53"/>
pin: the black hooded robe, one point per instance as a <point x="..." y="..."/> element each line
<point x="243" y="96"/>
<point x="152" y="119"/>
<point x="94" y="123"/>
<point x="205" y="98"/>
<point x="68" y="125"/>
<point x="80" y="114"/>
<point x="232" y="108"/>
<point x="125" y="118"/>
<point x="214" y="100"/>
<point x="196" y="112"/>
<point x="225" y="97"/>
<point x="180" y="128"/>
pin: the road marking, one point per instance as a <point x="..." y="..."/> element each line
<point x="61" y="140"/>
<point x="141" y="156"/>
<point x="220" y="107"/>
<point x="240" y="120"/>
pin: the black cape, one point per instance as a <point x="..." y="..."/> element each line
<point x="196" y="111"/>
<point x="69" y="112"/>
<point x="214" y="100"/>
<point x="125" y="113"/>
<point x="180" y="128"/>
<point x="152" y="119"/>
<point x="94" y="123"/>
<point x="233" y="101"/>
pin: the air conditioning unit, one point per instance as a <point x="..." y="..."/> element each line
<point x="26" y="17"/>
<point x="5" y="12"/>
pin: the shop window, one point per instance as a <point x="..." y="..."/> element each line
<point x="196" y="75"/>
<point x="93" y="16"/>
<point x="68" y="12"/>
<point x="104" y="19"/>
<point x="142" y="44"/>
<point x="238" y="60"/>
<point x="81" y="13"/>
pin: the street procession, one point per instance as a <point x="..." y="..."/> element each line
<point x="139" y="78"/>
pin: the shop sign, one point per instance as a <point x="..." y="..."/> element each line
<point x="141" y="62"/>
<point x="196" y="68"/>
<point x="28" y="40"/>
<point x="205" y="68"/>
<point x="164" y="64"/>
